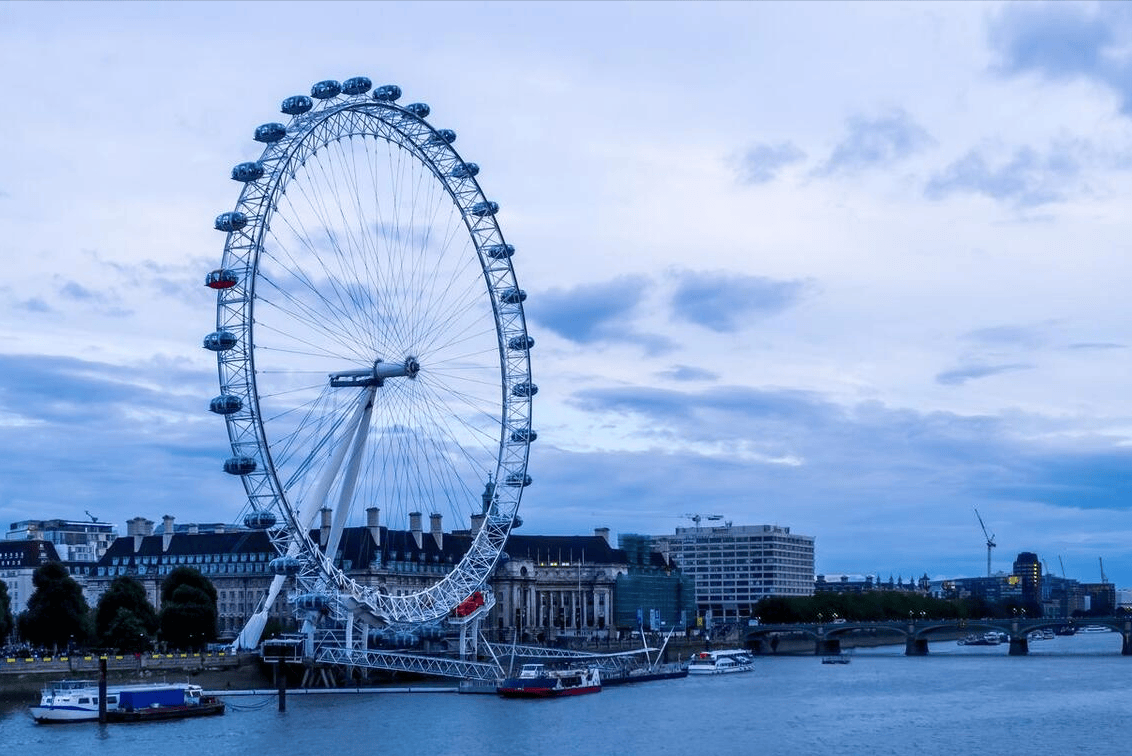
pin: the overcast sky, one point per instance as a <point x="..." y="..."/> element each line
<point x="854" y="269"/>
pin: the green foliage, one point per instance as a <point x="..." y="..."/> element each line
<point x="188" y="609"/>
<point x="56" y="613"/>
<point x="126" y="632"/>
<point x="6" y="622"/>
<point x="123" y="614"/>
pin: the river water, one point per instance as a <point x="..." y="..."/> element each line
<point x="1070" y="695"/>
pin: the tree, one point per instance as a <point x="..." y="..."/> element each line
<point x="188" y="609"/>
<point x="57" y="613"/>
<point x="6" y="623"/>
<point x="126" y="632"/>
<point x="125" y="595"/>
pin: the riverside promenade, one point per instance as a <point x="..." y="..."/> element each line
<point x="20" y="675"/>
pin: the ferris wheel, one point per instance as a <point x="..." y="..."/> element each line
<point x="372" y="348"/>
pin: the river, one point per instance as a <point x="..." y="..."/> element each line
<point x="1070" y="695"/>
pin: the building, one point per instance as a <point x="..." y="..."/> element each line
<point x="544" y="585"/>
<point x="18" y="562"/>
<point x="74" y="541"/>
<point x="867" y="584"/>
<point x="1028" y="569"/>
<point x="582" y="586"/>
<point x="736" y="566"/>
<point x="1099" y="599"/>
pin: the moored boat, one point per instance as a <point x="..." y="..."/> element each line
<point x="540" y="681"/>
<point x="649" y="673"/>
<point x="78" y="701"/>
<point x="722" y="662"/>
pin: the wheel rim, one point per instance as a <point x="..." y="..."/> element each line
<point x="379" y="354"/>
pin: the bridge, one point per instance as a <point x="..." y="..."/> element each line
<point x="918" y="632"/>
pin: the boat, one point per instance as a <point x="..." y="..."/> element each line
<point x="1095" y="629"/>
<point x="991" y="638"/>
<point x="645" y="673"/>
<point x="722" y="662"/>
<point x="835" y="659"/>
<point x="650" y="671"/>
<point x="540" y="681"/>
<point x="177" y="702"/>
<point x="78" y="700"/>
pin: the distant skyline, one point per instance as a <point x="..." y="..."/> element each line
<point x="856" y="269"/>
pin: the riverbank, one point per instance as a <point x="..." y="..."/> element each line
<point x="249" y="673"/>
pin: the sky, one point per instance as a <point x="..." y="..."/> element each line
<point x="855" y="269"/>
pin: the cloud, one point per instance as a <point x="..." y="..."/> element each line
<point x="688" y="373"/>
<point x="1098" y="345"/>
<point x="75" y="290"/>
<point x="1026" y="177"/>
<point x="875" y="143"/>
<point x="1067" y="41"/>
<point x="959" y="376"/>
<point x="724" y="302"/>
<point x="761" y="163"/>
<point x="35" y="304"/>
<point x="593" y="313"/>
<point x="1030" y="337"/>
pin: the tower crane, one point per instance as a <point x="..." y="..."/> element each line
<point x="1062" y="567"/>
<point x="1104" y="578"/>
<point x="697" y="517"/>
<point x="990" y="541"/>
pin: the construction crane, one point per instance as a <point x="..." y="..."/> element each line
<point x="697" y="517"/>
<point x="1062" y="567"/>
<point x="92" y="517"/>
<point x="990" y="541"/>
<point x="1104" y="578"/>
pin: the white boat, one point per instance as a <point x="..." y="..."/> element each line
<point x="1095" y="629"/>
<point x="77" y="700"/>
<point x="724" y="661"/>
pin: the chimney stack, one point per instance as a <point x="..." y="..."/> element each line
<point x="415" y="527"/>
<point x="477" y="523"/>
<point x="139" y="528"/>
<point x="436" y="529"/>
<point x="166" y="532"/>
<point x="603" y="532"/>
<point x="372" y="514"/>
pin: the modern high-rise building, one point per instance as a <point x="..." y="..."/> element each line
<point x="735" y="566"/>
<point x="74" y="541"/>
<point x="1028" y="569"/>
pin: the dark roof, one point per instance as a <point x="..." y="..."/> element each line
<point x="27" y="553"/>
<point x="238" y="541"/>
<point x="396" y="545"/>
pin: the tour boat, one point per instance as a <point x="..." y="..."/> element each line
<point x="722" y="662"/>
<point x="539" y="681"/>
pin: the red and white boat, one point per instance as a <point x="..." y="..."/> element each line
<point x="539" y="681"/>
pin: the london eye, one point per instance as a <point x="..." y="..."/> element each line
<point x="372" y="349"/>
